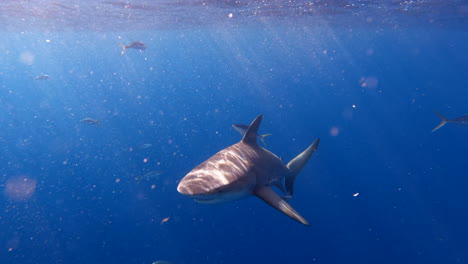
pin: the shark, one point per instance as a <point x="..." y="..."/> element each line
<point x="246" y="169"/>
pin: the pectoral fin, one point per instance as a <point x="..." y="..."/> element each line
<point x="269" y="196"/>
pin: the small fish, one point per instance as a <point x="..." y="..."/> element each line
<point x="134" y="45"/>
<point x="149" y="176"/>
<point x="145" y="146"/>
<point x="462" y="120"/>
<point x="42" y="77"/>
<point x="243" y="128"/>
<point x="90" y="121"/>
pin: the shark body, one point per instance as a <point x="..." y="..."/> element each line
<point x="246" y="169"/>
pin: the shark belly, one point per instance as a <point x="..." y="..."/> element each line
<point x="222" y="197"/>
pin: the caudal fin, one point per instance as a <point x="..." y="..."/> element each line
<point x="262" y="138"/>
<point x="123" y="48"/>
<point x="443" y="121"/>
<point x="295" y="166"/>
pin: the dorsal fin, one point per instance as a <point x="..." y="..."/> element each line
<point x="250" y="137"/>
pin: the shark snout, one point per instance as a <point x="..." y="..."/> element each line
<point x="183" y="188"/>
<point x="194" y="184"/>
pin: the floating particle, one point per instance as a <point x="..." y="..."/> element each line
<point x="334" y="131"/>
<point x="356" y="194"/>
<point x="27" y="58"/>
<point x="165" y="220"/>
<point x="369" y="82"/>
<point x="20" y="188"/>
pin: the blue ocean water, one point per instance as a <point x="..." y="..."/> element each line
<point x="364" y="77"/>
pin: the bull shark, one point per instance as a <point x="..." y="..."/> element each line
<point x="245" y="169"/>
<point x="462" y="120"/>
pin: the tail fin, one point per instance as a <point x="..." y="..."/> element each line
<point x="262" y="138"/>
<point x="295" y="166"/>
<point x="443" y="121"/>
<point x="123" y="48"/>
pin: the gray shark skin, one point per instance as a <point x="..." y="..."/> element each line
<point x="245" y="169"/>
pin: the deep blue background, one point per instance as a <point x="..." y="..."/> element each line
<point x="183" y="93"/>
